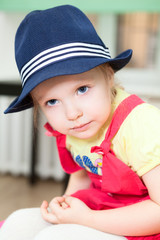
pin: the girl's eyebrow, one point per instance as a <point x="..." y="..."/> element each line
<point x="84" y="81"/>
<point x="38" y="98"/>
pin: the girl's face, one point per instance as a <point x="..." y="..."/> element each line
<point x="76" y="105"/>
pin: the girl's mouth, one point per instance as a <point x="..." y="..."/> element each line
<point x="82" y="127"/>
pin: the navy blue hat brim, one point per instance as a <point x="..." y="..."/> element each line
<point x="68" y="67"/>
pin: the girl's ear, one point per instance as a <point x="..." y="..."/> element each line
<point x="110" y="78"/>
<point x="110" y="74"/>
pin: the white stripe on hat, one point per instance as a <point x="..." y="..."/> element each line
<point x="56" y="54"/>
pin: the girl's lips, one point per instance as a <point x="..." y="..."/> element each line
<point x="82" y="127"/>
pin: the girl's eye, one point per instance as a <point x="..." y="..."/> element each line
<point x="82" y="89"/>
<point x="52" y="102"/>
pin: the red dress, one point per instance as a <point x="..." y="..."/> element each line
<point x="119" y="185"/>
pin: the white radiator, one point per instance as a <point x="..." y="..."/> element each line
<point x="48" y="160"/>
<point x="16" y="132"/>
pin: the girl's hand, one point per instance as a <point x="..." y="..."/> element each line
<point x="70" y="210"/>
<point x="46" y="212"/>
<point x="65" y="209"/>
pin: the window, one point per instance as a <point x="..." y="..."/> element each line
<point x="139" y="31"/>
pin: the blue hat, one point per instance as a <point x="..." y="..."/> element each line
<point x="54" y="42"/>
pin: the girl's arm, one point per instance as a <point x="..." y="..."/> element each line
<point x="139" y="219"/>
<point x="77" y="181"/>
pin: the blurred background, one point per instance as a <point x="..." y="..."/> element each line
<point x="29" y="165"/>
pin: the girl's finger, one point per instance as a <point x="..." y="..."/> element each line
<point x="58" y="200"/>
<point x="64" y="205"/>
<point x="47" y="216"/>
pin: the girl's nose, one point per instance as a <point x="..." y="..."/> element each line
<point x="73" y="112"/>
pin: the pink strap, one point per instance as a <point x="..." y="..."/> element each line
<point x="67" y="162"/>
<point x="50" y="132"/>
<point x="120" y="114"/>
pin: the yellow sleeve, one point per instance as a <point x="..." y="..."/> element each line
<point x="137" y="142"/>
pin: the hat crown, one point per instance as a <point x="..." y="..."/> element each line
<point x="44" y="29"/>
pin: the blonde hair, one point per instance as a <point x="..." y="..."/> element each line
<point x="35" y="111"/>
<point x="108" y="72"/>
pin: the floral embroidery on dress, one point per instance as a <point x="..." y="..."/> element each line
<point x="85" y="162"/>
<point x="79" y="161"/>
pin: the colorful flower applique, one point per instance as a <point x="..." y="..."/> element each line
<point x="79" y="161"/>
<point x="98" y="163"/>
<point x="85" y="161"/>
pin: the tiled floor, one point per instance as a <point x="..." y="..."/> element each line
<point x="17" y="192"/>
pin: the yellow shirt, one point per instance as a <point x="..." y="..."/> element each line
<point x="137" y="143"/>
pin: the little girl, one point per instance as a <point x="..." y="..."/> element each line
<point x="108" y="140"/>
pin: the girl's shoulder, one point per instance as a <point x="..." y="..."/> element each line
<point x="139" y="138"/>
<point x="146" y="116"/>
<point x="120" y="96"/>
<point x="143" y="113"/>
